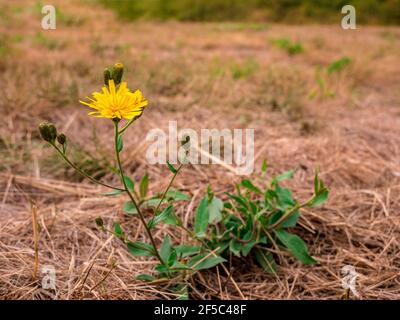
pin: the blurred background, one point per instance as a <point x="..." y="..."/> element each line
<point x="284" y="11"/>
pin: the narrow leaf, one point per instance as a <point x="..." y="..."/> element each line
<point x="140" y="249"/>
<point x="112" y="193"/>
<point x="186" y="250"/>
<point x="166" y="248"/>
<point x="320" y="198"/>
<point x="295" y="245"/>
<point x="207" y="263"/>
<point x="201" y="218"/>
<point x="144" y="186"/>
<point x="177" y="195"/>
<point x="129" y="183"/>
<point x="215" y="210"/>
<point x="129" y="208"/>
<point x="284" y="176"/>
<point x="171" y="168"/>
<point x="167" y="216"/>
<point x="249" y="185"/>
<point x="266" y="261"/>
<point x="118" y="230"/>
<point x="264" y="166"/>
<point x="120" y="144"/>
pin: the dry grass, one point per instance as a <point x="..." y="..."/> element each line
<point x="187" y="73"/>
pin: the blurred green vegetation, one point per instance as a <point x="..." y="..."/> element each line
<point x="286" y="11"/>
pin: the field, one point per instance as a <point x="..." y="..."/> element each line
<point x="330" y="103"/>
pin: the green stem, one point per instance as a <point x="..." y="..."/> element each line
<point x="127" y="125"/>
<point x="82" y="172"/>
<point x="290" y="212"/>
<point x="131" y="196"/>
<point x="167" y="189"/>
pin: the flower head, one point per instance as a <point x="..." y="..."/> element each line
<point x="48" y="131"/>
<point x="118" y="103"/>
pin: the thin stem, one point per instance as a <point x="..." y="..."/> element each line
<point x="82" y="172"/>
<point x="131" y="196"/>
<point x="167" y="189"/>
<point x="127" y="125"/>
<point x="290" y="212"/>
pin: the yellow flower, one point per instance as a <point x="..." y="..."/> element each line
<point x="121" y="103"/>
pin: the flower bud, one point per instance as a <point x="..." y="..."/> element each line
<point x="61" y="138"/>
<point x="117" y="73"/>
<point x="48" y="131"/>
<point x="107" y="76"/>
<point x="99" y="222"/>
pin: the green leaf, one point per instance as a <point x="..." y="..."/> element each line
<point x="172" y="258"/>
<point x="246" y="247"/>
<point x="295" y="245"/>
<point x="167" y="216"/>
<point x="249" y="185"/>
<point x="171" y="168"/>
<point x="186" y="250"/>
<point x="234" y="247"/>
<point x="112" y="193"/>
<point x="289" y="222"/>
<point x="120" y="144"/>
<point x="145" y="277"/>
<point x="144" y="186"/>
<point x="129" y="208"/>
<point x="338" y="65"/>
<point x="215" y="210"/>
<point x="118" y="230"/>
<point x="320" y="198"/>
<point x="284" y="197"/>
<point x="129" y="183"/>
<point x="266" y="261"/>
<point x="316" y="183"/>
<point x="166" y="248"/>
<point x="284" y="176"/>
<point x="201" y="218"/>
<point x="264" y="166"/>
<point x="207" y="263"/>
<point x="140" y="249"/>
<point x="239" y="199"/>
<point x="161" y="268"/>
<point x="171" y="195"/>
<point x="176" y="195"/>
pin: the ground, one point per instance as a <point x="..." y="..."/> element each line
<point x="213" y="75"/>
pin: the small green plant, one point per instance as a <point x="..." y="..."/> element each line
<point x="325" y="78"/>
<point x="338" y="65"/>
<point x="292" y="48"/>
<point x="253" y="222"/>
<point x="245" y="69"/>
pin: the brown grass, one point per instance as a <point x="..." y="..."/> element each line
<point x="186" y="71"/>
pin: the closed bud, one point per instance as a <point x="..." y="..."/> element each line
<point x="107" y="76"/>
<point x="61" y="138"/>
<point x="99" y="222"/>
<point x="118" y="71"/>
<point x="48" y="131"/>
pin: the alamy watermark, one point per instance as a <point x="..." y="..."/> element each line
<point x="47" y="288"/>
<point x="49" y="19"/>
<point x="233" y="149"/>
<point x="349" y="20"/>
